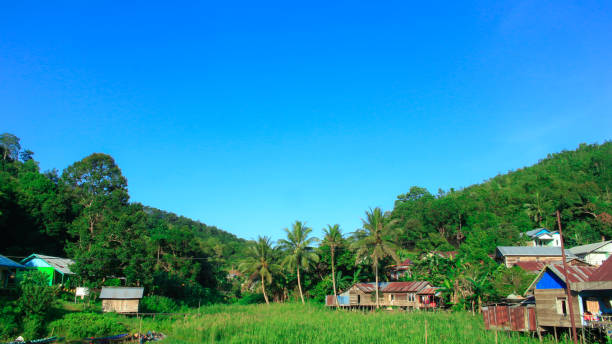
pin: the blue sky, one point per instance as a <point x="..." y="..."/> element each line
<point x="250" y="115"/>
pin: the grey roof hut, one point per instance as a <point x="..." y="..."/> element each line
<point x="121" y="299"/>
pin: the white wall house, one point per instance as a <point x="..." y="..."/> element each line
<point x="594" y="254"/>
<point x="543" y="237"/>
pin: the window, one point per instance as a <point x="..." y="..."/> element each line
<point x="392" y="297"/>
<point x="562" y="305"/>
<point x="358" y="299"/>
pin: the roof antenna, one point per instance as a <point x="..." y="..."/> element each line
<point x="567" y="282"/>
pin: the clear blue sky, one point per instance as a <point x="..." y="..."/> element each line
<point x="250" y="115"/>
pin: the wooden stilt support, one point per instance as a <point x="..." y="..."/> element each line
<point x="555" y="331"/>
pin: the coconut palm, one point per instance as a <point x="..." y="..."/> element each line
<point x="260" y="263"/>
<point x="375" y="241"/>
<point x="333" y="239"/>
<point x="300" y="254"/>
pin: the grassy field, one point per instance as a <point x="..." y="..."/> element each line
<point x="295" y="323"/>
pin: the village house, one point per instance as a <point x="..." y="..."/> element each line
<point x="594" y="254"/>
<point x="56" y="268"/>
<point x="543" y="237"/>
<point x="406" y="295"/>
<point x="591" y="291"/>
<point x="121" y="299"/>
<point x="511" y="255"/>
<point x="8" y="271"/>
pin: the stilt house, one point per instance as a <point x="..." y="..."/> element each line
<point x="416" y="295"/>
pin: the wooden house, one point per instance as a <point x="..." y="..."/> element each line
<point x="594" y="254"/>
<point x="510" y="255"/>
<point x="415" y="295"/>
<point x="121" y="299"/>
<point x="8" y="270"/>
<point x="56" y="268"/>
<point x="591" y="291"/>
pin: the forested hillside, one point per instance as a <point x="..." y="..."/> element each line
<point x="84" y="213"/>
<point x="495" y="212"/>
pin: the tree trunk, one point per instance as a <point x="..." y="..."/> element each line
<point x="376" y="273"/>
<point x="263" y="288"/>
<point x="334" y="277"/>
<point x="300" y="285"/>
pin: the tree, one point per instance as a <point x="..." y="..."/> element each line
<point x="375" y="241"/>
<point x="299" y="251"/>
<point x="333" y="239"/>
<point x="103" y="224"/>
<point x="260" y="263"/>
<point x="10" y="146"/>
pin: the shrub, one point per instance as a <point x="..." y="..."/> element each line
<point x="8" y="321"/>
<point x="249" y="298"/>
<point x="36" y="296"/>
<point x="33" y="326"/>
<point x="158" y="304"/>
<point x="81" y="325"/>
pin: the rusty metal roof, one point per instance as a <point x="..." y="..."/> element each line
<point x="429" y="291"/>
<point x="393" y="287"/>
<point x="603" y="273"/>
<point x="574" y="273"/>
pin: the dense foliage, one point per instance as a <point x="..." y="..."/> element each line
<point x="85" y="213"/>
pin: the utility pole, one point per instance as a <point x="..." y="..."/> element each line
<point x="567" y="282"/>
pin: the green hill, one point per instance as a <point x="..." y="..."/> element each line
<point x="479" y="217"/>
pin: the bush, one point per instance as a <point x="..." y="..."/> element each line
<point x="158" y="304"/>
<point x="248" y="299"/>
<point x="8" y="321"/>
<point x="81" y="325"/>
<point x="33" y="326"/>
<point x="36" y="296"/>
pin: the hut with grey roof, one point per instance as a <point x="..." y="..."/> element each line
<point x="121" y="299"/>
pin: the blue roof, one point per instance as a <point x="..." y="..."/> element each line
<point x="5" y="262"/>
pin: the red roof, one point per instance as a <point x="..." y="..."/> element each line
<point x="405" y="286"/>
<point x="531" y="266"/>
<point x="603" y="273"/>
<point x="393" y="287"/>
<point x="429" y="291"/>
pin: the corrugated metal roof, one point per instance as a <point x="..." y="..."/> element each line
<point x="534" y="233"/>
<point x="58" y="263"/>
<point x="393" y="287"/>
<point x="575" y="273"/>
<point x="603" y="273"/>
<point x="531" y="266"/>
<point x="532" y="251"/>
<point x="9" y="263"/>
<point x="428" y="291"/>
<point x="121" y="293"/>
<point x="584" y="249"/>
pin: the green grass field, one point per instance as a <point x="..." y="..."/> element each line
<point x="295" y="323"/>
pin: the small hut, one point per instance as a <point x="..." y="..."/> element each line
<point x="121" y="299"/>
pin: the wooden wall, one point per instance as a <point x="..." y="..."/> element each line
<point x="546" y="308"/>
<point x="120" y="306"/>
<point x="512" y="260"/>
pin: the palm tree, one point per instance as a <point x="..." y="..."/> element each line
<point x="260" y="263"/>
<point x="300" y="254"/>
<point x="333" y="239"/>
<point x="376" y="241"/>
